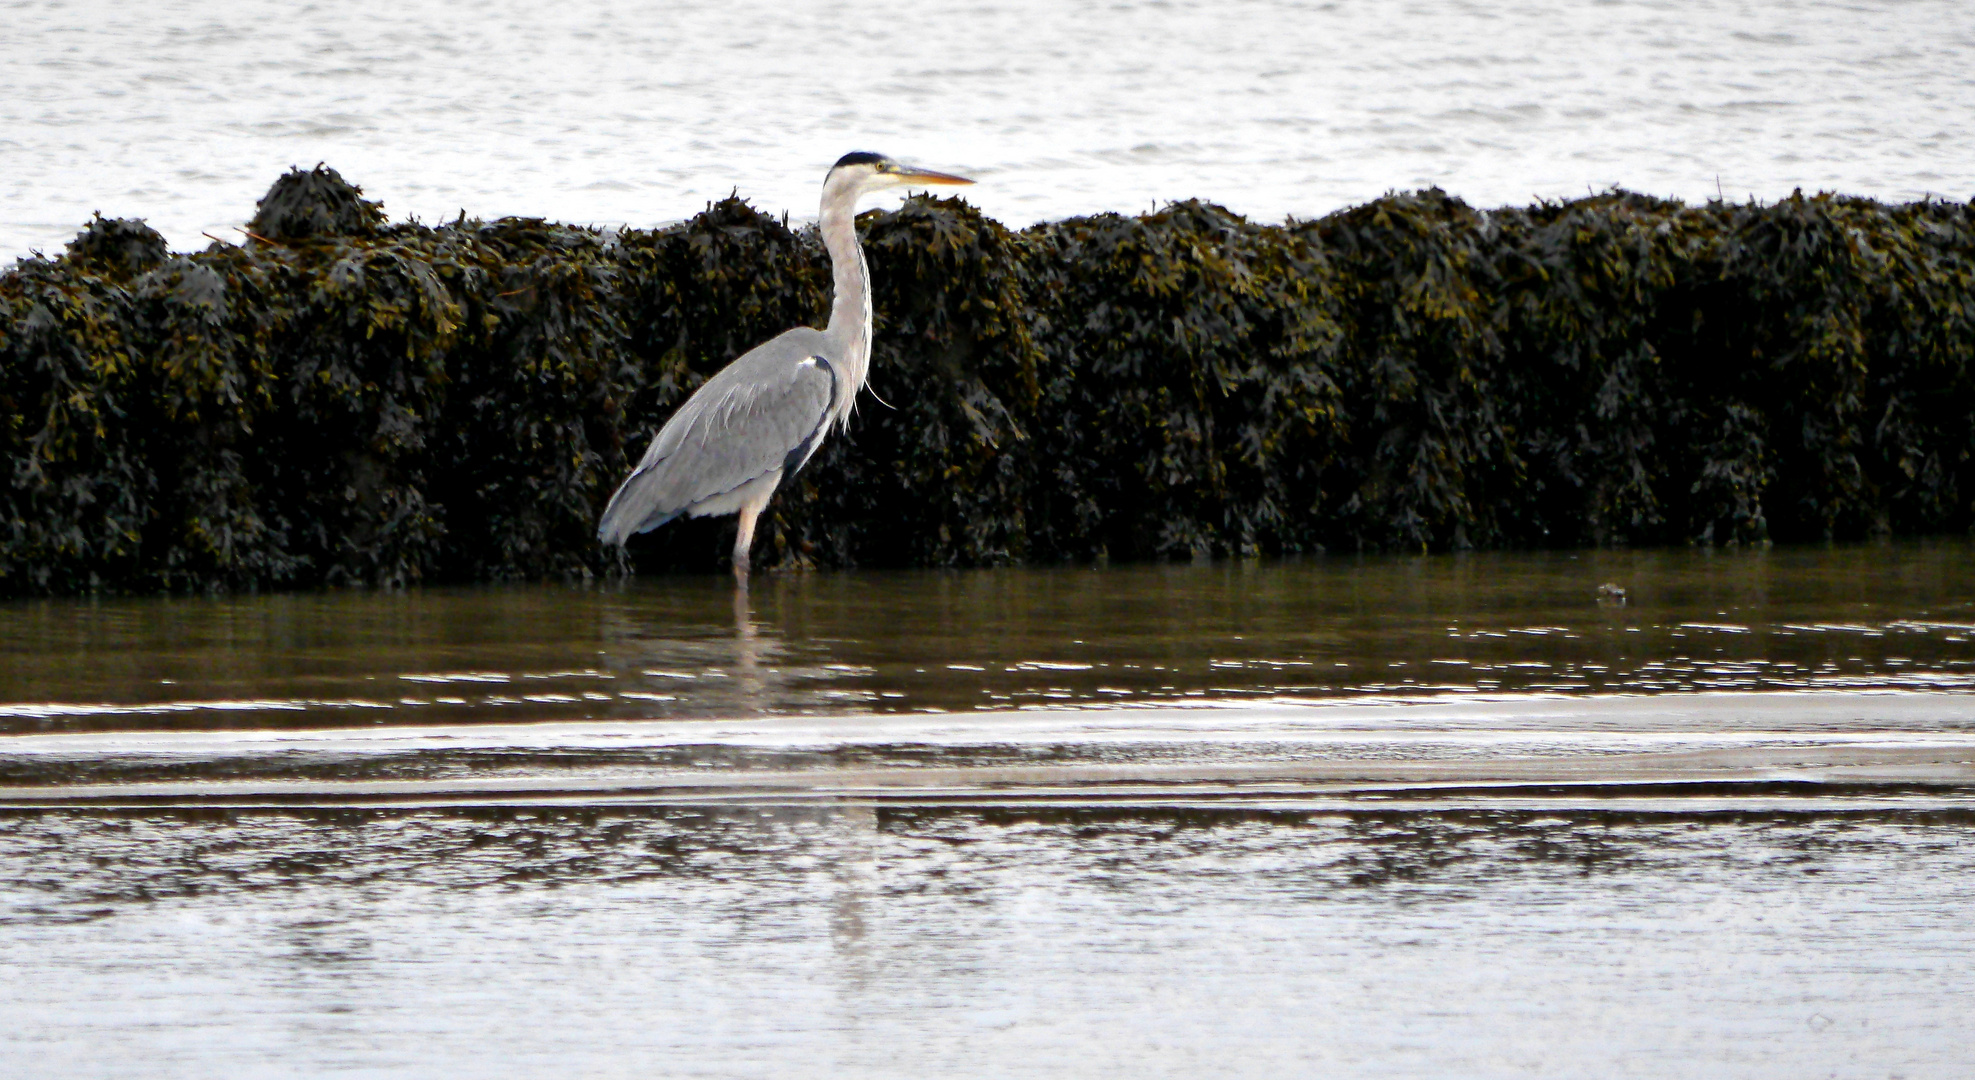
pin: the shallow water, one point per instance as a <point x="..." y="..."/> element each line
<point x="184" y="112"/>
<point x="1852" y="618"/>
<point x="907" y="942"/>
<point x="1324" y="675"/>
<point x="1435" y="816"/>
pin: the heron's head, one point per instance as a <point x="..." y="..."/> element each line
<point x="862" y="172"/>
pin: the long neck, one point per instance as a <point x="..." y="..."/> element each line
<point x="850" y="308"/>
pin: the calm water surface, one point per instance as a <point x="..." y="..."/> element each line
<point x="1859" y="618"/>
<point x="912" y="942"/>
<point x="184" y="111"/>
<point x="1446" y="816"/>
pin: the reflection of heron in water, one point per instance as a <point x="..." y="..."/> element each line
<point x="762" y="417"/>
<point x="697" y="651"/>
<point x="747" y="651"/>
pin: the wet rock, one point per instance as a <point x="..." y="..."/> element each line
<point x="121" y="248"/>
<point x="315" y="203"/>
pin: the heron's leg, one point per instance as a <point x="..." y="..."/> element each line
<point x="757" y="500"/>
<point x="744" y="541"/>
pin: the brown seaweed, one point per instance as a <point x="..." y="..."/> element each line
<point x="349" y="401"/>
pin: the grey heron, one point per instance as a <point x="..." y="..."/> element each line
<point x="761" y="418"/>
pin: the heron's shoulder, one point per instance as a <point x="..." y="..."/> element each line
<point x="788" y="347"/>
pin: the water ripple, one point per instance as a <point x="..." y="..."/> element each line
<point x="1274" y="108"/>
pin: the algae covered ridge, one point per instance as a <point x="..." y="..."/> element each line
<point x="343" y="400"/>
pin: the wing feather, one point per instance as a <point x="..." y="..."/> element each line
<point x="765" y="411"/>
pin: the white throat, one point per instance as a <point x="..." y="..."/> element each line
<point x="850" y="304"/>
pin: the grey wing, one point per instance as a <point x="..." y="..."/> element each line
<point x="764" y="412"/>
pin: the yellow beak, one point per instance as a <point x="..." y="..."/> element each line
<point x="927" y="176"/>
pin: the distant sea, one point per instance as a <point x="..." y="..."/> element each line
<point x="183" y="111"/>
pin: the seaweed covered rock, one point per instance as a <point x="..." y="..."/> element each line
<point x="80" y="480"/>
<point x="361" y="403"/>
<point x="530" y="394"/>
<point x="118" y="248"/>
<point x="1192" y="402"/>
<point x="1589" y="315"/>
<point x="316" y="203"/>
